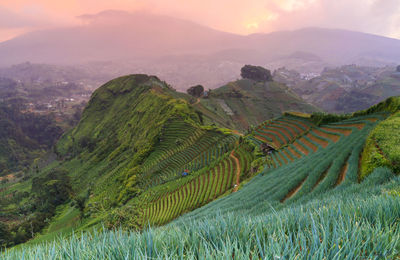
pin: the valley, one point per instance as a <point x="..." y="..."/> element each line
<point x="199" y="130"/>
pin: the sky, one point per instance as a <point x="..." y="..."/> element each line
<point x="380" y="17"/>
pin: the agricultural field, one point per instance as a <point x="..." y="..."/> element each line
<point x="325" y="224"/>
<point x="172" y="187"/>
<point x="282" y="131"/>
<point x="311" y="139"/>
<point x="290" y="178"/>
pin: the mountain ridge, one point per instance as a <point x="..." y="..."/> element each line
<point x="205" y="41"/>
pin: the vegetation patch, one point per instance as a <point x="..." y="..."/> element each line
<point x="382" y="147"/>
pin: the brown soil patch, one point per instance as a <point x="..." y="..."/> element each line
<point x="310" y="145"/>
<point x="238" y="170"/>
<point x="236" y="132"/>
<point x="321" y="177"/>
<point x="372" y="119"/>
<point x="283" y="159"/>
<point x="282" y="131"/>
<point x="9" y="177"/>
<point x="274" y="140"/>
<point x="288" y="155"/>
<point x="293" y="151"/>
<point x="382" y="153"/>
<point x="359" y="126"/>
<point x="259" y="137"/>
<point x="287" y="126"/>
<point x="230" y="179"/>
<point x="342" y="174"/>
<point x="293" y="126"/>
<point x="301" y="148"/>
<point x="346" y="132"/>
<point x="272" y="162"/>
<point x="302" y="124"/>
<point x="294" y="191"/>
<point x="321" y="142"/>
<point x="332" y="137"/>
<point x="278" y="159"/>
<point x="360" y="157"/>
<point x="276" y="132"/>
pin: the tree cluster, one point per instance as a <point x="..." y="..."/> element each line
<point x="47" y="192"/>
<point x="196" y="91"/>
<point x="256" y="73"/>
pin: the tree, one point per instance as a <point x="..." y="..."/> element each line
<point x="79" y="203"/>
<point x="196" y="91"/>
<point x="51" y="190"/>
<point x="256" y="73"/>
<point x="4" y="235"/>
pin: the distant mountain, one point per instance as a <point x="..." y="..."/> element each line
<point x="185" y="53"/>
<point x="344" y="89"/>
<point x="331" y="45"/>
<point x="116" y="35"/>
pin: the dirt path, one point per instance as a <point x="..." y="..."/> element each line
<point x="342" y="174"/>
<point x="197" y="101"/>
<point x="293" y="191"/>
<point x="382" y="153"/>
<point x="238" y="170"/>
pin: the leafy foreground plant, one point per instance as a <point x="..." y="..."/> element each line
<point x="354" y="221"/>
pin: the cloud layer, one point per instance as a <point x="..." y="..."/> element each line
<point x="373" y="16"/>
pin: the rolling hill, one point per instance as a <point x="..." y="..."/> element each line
<point x="344" y="89"/>
<point x="245" y="103"/>
<point x="142" y="156"/>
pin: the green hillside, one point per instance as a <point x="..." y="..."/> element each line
<point x="344" y="89"/>
<point x="23" y="138"/>
<point x="245" y="103"/>
<point x="143" y="158"/>
<point x="124" y="163"/>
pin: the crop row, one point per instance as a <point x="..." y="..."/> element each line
<point x="316" y="138"/>
<point x="175" y="137"/>
<point x="195" y="157"/>
<point x="194" y="194"/>
<point x="302" y="178"/>
<point x="282" y="131"/>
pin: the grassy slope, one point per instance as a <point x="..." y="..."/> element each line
<point x="382" y="147"/>
<point x="251" y="103"/>
<point x="328" y="226"/>
<point x="256" y="199"/>
<point x="132" y="131"/>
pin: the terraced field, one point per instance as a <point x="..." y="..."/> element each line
<point x="313" y="138"/>
<point x="282" y="131"/>
<point x="183" y="148"/>
<point x="333" y="160"/>
<point x="200" y="190"/>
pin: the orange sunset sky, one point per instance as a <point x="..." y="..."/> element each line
<point x="243" y="17"/>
